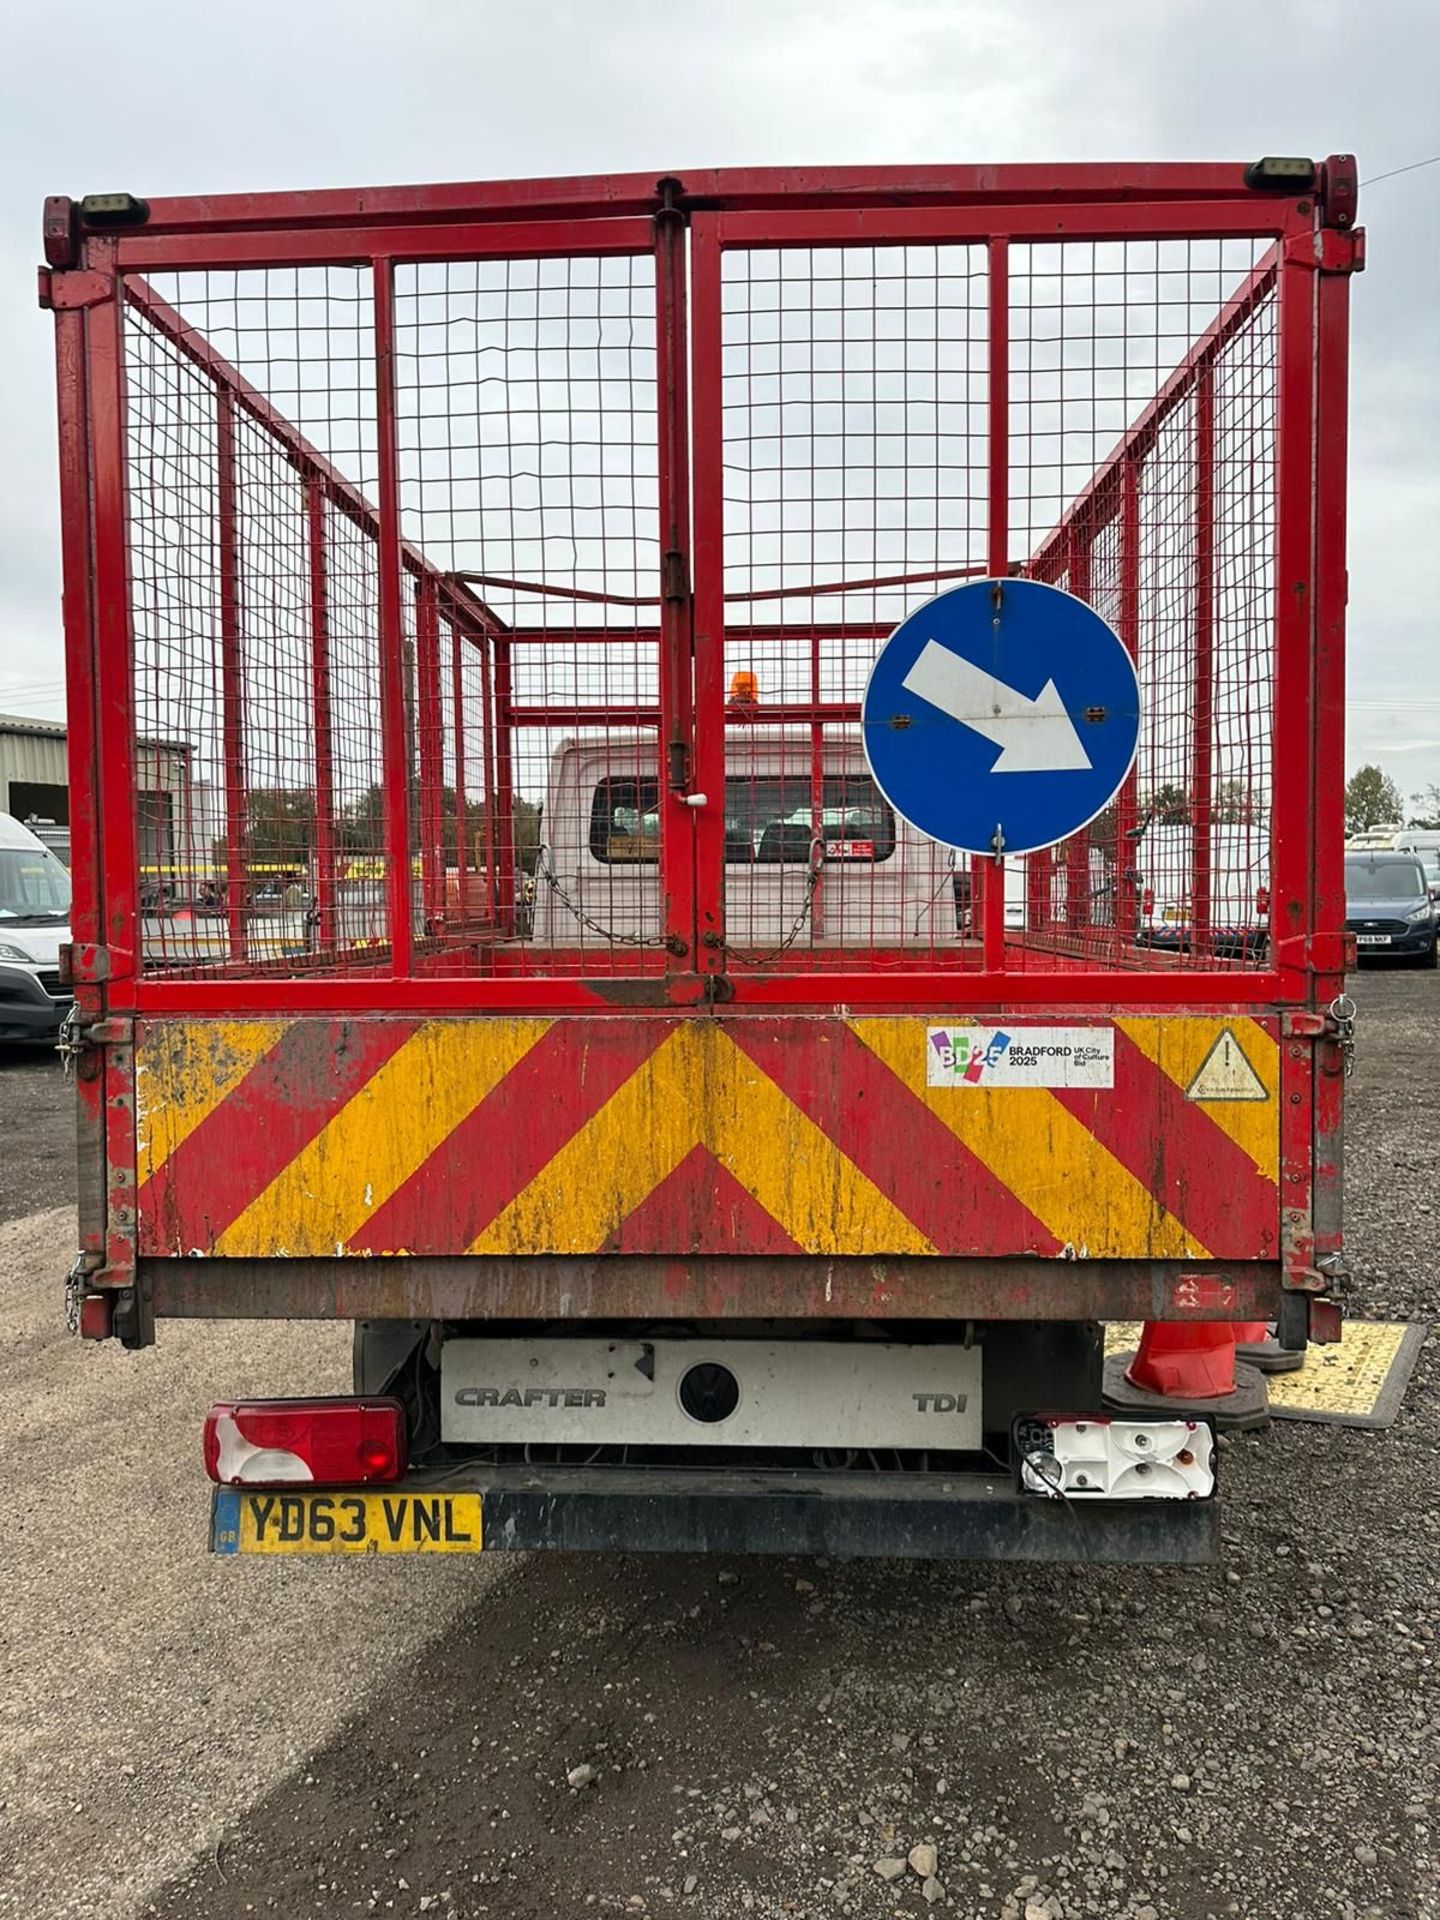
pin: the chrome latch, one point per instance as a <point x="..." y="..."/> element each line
<point x="1341" y="1014"/>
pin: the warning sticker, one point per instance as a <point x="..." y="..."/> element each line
<point x="1020" y="1056"/>
<point x="1225" y="1074"/>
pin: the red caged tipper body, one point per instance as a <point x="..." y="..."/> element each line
<point x="490" y="927"/>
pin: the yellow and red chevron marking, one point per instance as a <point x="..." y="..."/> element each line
<point x="622" y="1133"/>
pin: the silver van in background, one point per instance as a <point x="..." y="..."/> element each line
<point x="34" y="925"/>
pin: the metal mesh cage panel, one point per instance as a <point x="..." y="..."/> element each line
<point x="509" y="413"/>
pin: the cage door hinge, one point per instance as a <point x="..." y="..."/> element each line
<point x="78" y="1038"/>
<point x="91" y="965"/>
<point x="675" y="578"/>
<point x="1317" y="952"/>
<point x="65" y="292"/>
<point x="1327" y="250"/>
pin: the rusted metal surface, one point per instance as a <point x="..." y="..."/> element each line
<point x="780" y="1136"/>
<point x="640" y="1287"/>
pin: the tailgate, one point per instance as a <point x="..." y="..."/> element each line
<point x="1153" y="1137"/>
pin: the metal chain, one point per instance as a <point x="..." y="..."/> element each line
<point x="1342" y="1013"/>
<point x="812" y="881"/>
<point x="70" y="1041"/>
<point x="586" y="920"/>
<point x="74" y="1293"/>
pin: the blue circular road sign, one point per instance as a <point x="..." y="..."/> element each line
<point x="1001" y="716"/>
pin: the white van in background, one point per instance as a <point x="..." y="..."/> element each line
<point x="1239" y="888"/>
<point x="1424" y="843"/>
<point x="34" y="925"/>
<point x="869" y="880"/>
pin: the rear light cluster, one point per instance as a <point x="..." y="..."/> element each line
<point x="1098" y="1457"/>
<point x="321" y="1443"/>
<point x="1147" y="900"/>
<point x="1262" y="901"/>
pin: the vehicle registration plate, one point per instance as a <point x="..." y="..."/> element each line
<point x="1372" y="939"/>
<point x="247" y="1520"/>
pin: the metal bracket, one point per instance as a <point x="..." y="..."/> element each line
<point x="1326" y="250"/>
<point x="117" y="1031"/>
<point x="60" y="232"/>
<point x="1304" y="1280"/>
<point x="1339" y="190"/>
<point x="68" y="292"/>
<point x="1317" y="952"/>
<point x="674" y="577"/>
<point x="133" y="1315"/>
<point x="1298" y="1024"/>
<point x="86" y="1262"/>
<point x="91" y="965"/>
<point x="671" y="194"/>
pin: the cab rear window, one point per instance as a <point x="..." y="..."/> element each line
<point x="769" y="820"/>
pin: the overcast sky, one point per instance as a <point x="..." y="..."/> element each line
<point x="163" y="99"/>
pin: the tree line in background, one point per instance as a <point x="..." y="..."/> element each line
<point x="280" y="828"/>
<point x="1372" y="800"/>
<point x="280" y="821"/>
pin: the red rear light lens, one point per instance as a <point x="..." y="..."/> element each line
<point x="321" y="1443"/>
<point x="1262" y="900"/>
<point x="1147" y="900"/>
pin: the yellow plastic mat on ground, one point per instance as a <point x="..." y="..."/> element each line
<point x="1358" y="1382"/>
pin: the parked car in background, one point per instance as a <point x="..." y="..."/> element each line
<point x="34" y="925"/>
<point x="1424" y="843"/>
<point x="1389" y="907"/>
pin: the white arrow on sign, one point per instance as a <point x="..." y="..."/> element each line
<point x="1035" y="736"/>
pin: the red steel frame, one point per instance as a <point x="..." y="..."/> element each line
<point x="1312" y="254"/>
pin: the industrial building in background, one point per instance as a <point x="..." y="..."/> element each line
<point x="34" y="779"/>
<point x="176" y="818"/>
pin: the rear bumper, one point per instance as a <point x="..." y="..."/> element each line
<point x="851" y="1515"/>
<point x="1401" y="946"/>
<point x="27" y="1011"/>
<point x="711" y="1287"/>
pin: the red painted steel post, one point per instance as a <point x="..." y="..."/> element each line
<point x="83" y="740"/>
<point x="675" y="735"/>
<point x="488" y="783"/>
<point x="1128" y="849"/>
<point x="1332" y="374"/>
<point x="505" y="872"/>
<point x="817" y="794"/>
<point x="232" y="670"/>
<point x="1327" y="905"/>
<point x="1039" y="878"/>
<point x="113" y="669"/>
<point x="1293" y="725"/>
<point x="431" y="743"/>
<point x="1202" y="703"/>
<point x="326" y="878"/>
<point x="1328" y="770"/>
<point x="394" y="746"/>
<point x="457" y="773"/>
<point x="1077" y="847"/>
<point x="998" y="539"/>
<point x="707" y="365"/>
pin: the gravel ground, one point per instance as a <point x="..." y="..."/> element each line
<point x="796" y="1738"/>
<point x="37" y="1126"/>
<point x="146" y="1700"/>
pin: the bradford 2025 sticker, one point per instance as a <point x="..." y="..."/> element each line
<point x="1020" y="1056"/>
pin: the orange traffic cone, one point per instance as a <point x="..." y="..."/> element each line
<point x="1187" y="1366"/>
<point x="1250" y="1331"/>
<point x="1185" y="1359"/>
